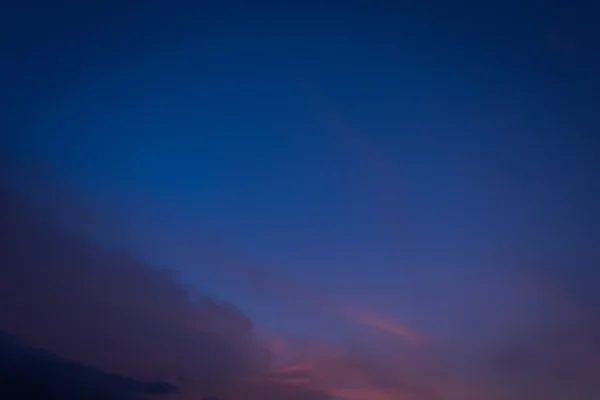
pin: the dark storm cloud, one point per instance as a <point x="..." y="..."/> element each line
<point x="88" y="304"/>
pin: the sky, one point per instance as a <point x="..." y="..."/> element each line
<point x="360" y="201"/>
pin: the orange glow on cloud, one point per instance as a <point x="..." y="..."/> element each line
<point x="337" y="380"/>
<point x="332" y="370"/>
<point x="367" y="394"/>
<point x="346" y="375"/>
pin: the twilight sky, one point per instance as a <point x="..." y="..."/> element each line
<point x="329" y="200"/>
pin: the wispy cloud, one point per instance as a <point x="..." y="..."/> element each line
<point x="385" y="324"/>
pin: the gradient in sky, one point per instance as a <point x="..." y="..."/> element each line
<point x="399" y="201"/>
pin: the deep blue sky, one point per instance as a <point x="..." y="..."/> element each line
<point x="406" y="159"/>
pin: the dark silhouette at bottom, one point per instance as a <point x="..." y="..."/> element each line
<point x="36" y="374"/>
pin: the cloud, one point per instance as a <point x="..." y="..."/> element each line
<point x="108" y="309"/>
<point x="63" y="292"/>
